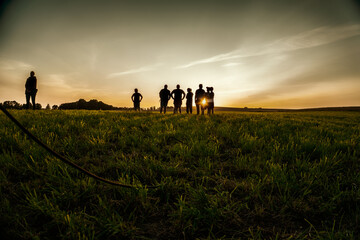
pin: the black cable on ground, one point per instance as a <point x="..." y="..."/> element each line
<point x="63" y="159"/>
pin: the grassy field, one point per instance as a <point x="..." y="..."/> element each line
<point x="228" y="176"/>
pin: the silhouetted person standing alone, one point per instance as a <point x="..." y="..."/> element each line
<point x="189" y="98"/>
<point x="136" y="98"/>
<point x="164" y="98"/>
<point x="30" y="90"/>
<point x="199" y="97"/>
<point x="178" y="95"/>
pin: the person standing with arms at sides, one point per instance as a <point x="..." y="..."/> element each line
<point x="199" y="96"/>
<point x="210" y="100"/>
<point x="189" y="97"/>
<point x="178" y="95"/>
<point x="30" y="90"/>
<point x="164" y="98"/>
<point x="136" y="98"/>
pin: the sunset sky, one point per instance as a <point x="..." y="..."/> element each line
<point x="271" y="54"/>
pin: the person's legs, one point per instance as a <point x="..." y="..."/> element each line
<point x="197" y="109"/>
<point x="33" y="100"/>
<point x="27" y="101"/>
<point x="136" y="106"/>
<point x="177" y="106"/>
<point x="163" y="106"/>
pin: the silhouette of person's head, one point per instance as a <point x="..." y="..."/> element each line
<point x="200" y="86"/>
<point x="208" y="89"/>
<point x="136" y="90"/>
<point x="32" y="73"/>
<point x="211" y="89"/>
<point x="178" y="86"/>
<point x="189" y="89"/>
<point x="165" y="86"/>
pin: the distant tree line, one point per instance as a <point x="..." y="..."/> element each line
<point x="16" y="105"/>
<point x="80" y="104"/>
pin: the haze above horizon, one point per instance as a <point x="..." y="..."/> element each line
<point x="272" y="54"/>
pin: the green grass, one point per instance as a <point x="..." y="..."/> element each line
<point x="228" y="176"/>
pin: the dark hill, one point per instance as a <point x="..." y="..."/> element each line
<point x="90" y="105"/>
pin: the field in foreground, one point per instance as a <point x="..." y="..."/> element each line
<point x="231" y="175"/>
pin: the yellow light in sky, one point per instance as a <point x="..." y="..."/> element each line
<point x="304" y="58"/>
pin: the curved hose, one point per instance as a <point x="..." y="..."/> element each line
<point x="63" y="159"/>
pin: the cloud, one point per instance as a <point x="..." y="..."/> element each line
<point x="9" y="65"/>
<point x="136" y="70"/>
<point x="217" y="58"/>
<point x="314" y="38"/>
<point x="321" y="94"/>
<point x="12" y="72"/>
<point x="231" y="64"/>
<point x="309" y="39"/>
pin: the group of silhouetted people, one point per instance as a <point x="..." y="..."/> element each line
<point x="203" y="100"/>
